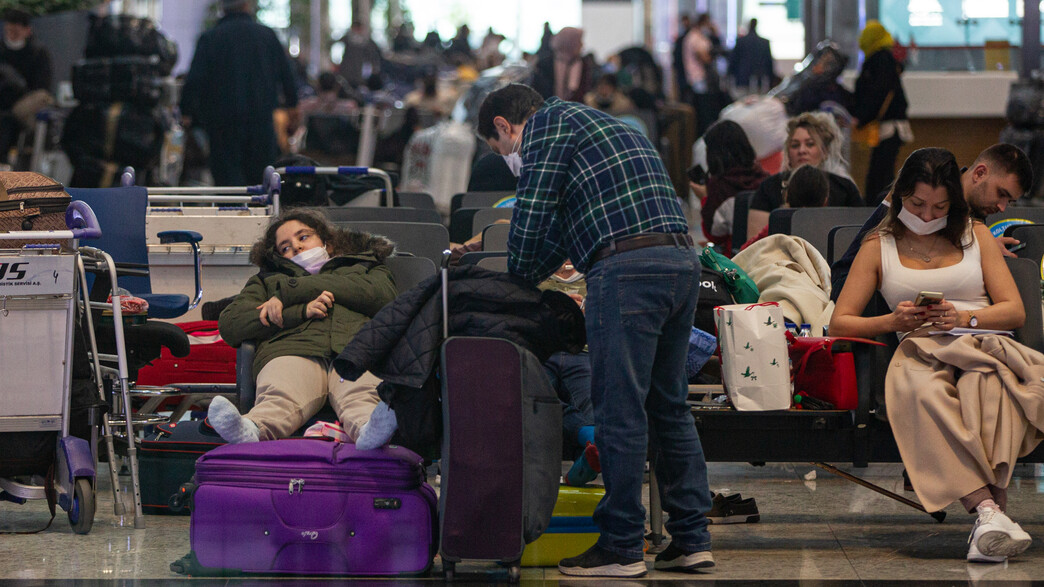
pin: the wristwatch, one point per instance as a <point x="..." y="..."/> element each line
<point x="973" y="322"/>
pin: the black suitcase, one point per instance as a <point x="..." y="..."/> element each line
<point x="501" y="450"/>
<point x="167" y="459"/>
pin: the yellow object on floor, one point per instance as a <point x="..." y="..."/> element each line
<point x="572" y="529"/>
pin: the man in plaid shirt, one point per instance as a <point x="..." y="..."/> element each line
<point x="594" y="190"/>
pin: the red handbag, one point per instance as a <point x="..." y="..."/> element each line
<point x="823" y="371"/>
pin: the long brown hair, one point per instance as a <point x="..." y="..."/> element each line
<point x="333" y="238"/>
<point x="936" y="168"/>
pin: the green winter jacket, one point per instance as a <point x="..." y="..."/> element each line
<point x="361" y="285"/>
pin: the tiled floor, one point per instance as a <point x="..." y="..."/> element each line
<point x="811" y="529"/>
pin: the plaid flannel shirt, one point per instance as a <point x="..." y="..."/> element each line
<point x="587" y="179"/>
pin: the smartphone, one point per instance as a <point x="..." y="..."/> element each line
<point x="928" y="298"/>
<point x="697" y="175"/>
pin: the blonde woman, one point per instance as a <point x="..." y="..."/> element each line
<point x="813" y="138"/>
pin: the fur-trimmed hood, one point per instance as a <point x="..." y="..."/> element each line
<point x="360" y="242"/>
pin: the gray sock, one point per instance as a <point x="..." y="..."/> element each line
<point x="234" y="428"/>
<point x="379" y="430"/>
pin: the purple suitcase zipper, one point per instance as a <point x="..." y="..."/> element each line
<point x="307" y="506"/>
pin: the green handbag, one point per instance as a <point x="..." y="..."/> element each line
<point x="740" y="285"/>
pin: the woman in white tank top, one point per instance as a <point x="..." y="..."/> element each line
<point x="963" y="449"/>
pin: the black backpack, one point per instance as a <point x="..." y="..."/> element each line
<point x="713" y="292"/>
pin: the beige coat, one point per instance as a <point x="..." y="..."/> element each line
<point x="790" y="271"/>
<point x="963" y="409"/>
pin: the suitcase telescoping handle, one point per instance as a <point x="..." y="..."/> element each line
<point x="445" y="303"/>
<point x="389" y="200"/>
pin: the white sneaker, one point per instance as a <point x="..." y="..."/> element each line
<point x="994" y="538"/>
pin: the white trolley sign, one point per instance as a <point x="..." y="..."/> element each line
<point x="36" y="311"/>
<point x="36" y="275"/>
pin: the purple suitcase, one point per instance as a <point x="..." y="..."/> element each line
<point x="309" y="506"/>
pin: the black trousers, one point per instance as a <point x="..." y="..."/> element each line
<point x="240" y="150"/>
<point x="881" y="174"/>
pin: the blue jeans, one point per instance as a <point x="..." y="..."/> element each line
<point x="640" y="306"/>
<point x="570" y="375"/>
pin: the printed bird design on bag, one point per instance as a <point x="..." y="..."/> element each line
<point x="774" y="363"/>
<point x="769" y="322"/>
<point x="729" y="323"/>
<point x="749" y="374"/>
<point x="748" y="347"/>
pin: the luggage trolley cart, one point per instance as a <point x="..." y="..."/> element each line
<point x="389" y="192"/>
<point x="38" y="286"/>
<point x="209" y="208"/>
<point x="266" y="193"/>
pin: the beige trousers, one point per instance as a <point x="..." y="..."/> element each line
<point x="290" y="390"/>
<point x="963" y="409"/>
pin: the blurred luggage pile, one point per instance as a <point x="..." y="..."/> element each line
<point x="126" y="100"/>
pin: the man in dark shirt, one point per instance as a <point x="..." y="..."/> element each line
<point x="26" y="81"/>
<point x="594" y="190"/>
<point x="997" y="178"/>
<point x="750" y="63"/>
<point x="20" y="51"/>
<point x="237" y="76"/>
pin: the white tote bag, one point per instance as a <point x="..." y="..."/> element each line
<point x="755" y="366"/>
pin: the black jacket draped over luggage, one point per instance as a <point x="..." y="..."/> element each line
<point x="401" y="343"/>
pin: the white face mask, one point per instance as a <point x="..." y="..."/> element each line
<point x="312" y="260"/>
<point x="14" y="45"/>
<point x="918" y="226"/>
<point x="514" y="158"/>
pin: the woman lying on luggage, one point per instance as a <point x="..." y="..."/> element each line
<point x="963" y="407"/>
<point x="316" y="287"/>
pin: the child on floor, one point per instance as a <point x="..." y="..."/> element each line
<point x="316" y="287"/>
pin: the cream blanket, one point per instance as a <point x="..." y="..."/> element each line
<point x="962" y="410"/>
<point x="791" y="272"/>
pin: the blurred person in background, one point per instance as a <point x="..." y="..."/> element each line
<point x="331" y="98"/>
<point x="459" y="51"/>
<point x="879" y="97"/>
<point x="566" y="72"/>
<point x="607" y="96"/>
<point x="25" y="77"/>
<point x="751" y="67"/>
<point x="681" y="85"/>
<point x="238" y="75"/>
<point x="362" y="56"/>
<point x="732" y="168"/>
<point x="698" y="57"/>
<point x="404" y="41"/>
<point x="427" y="98"/>
<point x="489" y="54"/>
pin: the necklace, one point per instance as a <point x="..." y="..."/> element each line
<point x="925" y="257"/>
